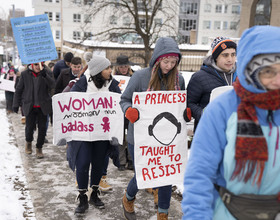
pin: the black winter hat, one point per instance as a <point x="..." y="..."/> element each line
<point x="220" y="44"/>
<point x="68" y="57"/>
<point x="123" y="60"/>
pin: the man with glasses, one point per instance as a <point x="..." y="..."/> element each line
<point x="32" y="92"/>
<point x="217" y="70"/>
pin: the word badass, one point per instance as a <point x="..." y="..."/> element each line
<point x="76" y="126"/>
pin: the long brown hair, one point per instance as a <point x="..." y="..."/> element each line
<point x="169" y="81"/>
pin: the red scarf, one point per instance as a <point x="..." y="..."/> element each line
<point x="251" y="148"/>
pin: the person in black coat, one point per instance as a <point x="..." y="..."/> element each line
<point x="82" y="154"/>
<point x="32" y="92"/>
<point x="62" y="64"/>
<point x="217" y="70"/>
<point x="68" y="74"/>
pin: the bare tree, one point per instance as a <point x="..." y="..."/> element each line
<point x="149" y="19"/>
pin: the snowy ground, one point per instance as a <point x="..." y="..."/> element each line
<point x="15" y="199"/>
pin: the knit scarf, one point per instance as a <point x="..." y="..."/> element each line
<point x="176" y="84"/>
<point x="251" y="151"/>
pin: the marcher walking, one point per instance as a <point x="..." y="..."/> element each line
<point x="161" y="75"/>
<point x="33" y="93"/>
<point x="82" y="154"/>
<point x="235" y="146"/>
<point x="217" y="70"/>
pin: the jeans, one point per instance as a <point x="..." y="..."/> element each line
<point x="90" y="153"/>
<point x="36" y="115"/>
<point x="164" y="192"/>
<point x="105" y="166"/>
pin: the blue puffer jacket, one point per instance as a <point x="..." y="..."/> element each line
<point x="74" y="146"/>
<point x="213" y="148"/>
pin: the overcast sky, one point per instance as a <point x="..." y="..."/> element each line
<point x="19" y="4"/>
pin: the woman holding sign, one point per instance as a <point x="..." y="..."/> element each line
<point x="161" y="75"/>
<point x="82" y="154"/>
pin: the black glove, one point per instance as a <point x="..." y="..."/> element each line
<point x="15" y="109"/>
<point x="43" y="73"/>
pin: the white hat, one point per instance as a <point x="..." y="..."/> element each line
<point x="97" y="64"/>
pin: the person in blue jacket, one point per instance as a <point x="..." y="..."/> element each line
<point x="161" y="75"/>
<point x="82" y="154"/>
<point x="218" y="69"/>
<point x="235" y="150"/>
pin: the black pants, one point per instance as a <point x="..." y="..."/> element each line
<point x="90" y="153"/>
<point x="35" y="116"/>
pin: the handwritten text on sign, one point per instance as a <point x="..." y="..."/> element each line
<point x="160" y="138"/>
<point x="34" y="39"/>
<point x="87" y="117"/>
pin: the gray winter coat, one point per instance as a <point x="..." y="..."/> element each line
<point x="24" y="93"/>
<point x="140" y="79"/>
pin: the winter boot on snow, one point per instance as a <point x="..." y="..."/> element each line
<point x="94" y="199"/>
<point x="128" y="208"/>
<point x="28" y="147"/>
<point x="83" y="206"/>
<point x="39" y="153"/>
<point x="162" y="216"/>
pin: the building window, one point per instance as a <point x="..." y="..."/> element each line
<point x="187" y="24"/>
<point x="142" y="22"/>
<point x="48" y="0"/>
<point x="219" y="8"/>
<point x="233" y="25"/>
<point x="57" y="35"/>
<point x="57" y="1"/>
<point x="185" y="39"/>
<point x="76" y="35"/>
<point x="225" y="8"/>
<point x="188" y="8"/>
<point x="204" y="40"/>
<point x="207" y="8"/>
<point x="76" y="17"/>
<point x="87" y="18"/>
<point x="225" y="25"/>
<point x="235" y="9"/>
<point x="113" y="19"/>
<point x="88" y="35"/>
<point x="57" y="16"/>
<point x="206" y="24"/>
<point x="88" y="2"/>
<point x="158" y="21"/>
<point x="49" y="15"/>
<point x="217" y="25"/>
<point x="77" y="1"/>
<point x="263" y="12"/>
<point x="126" y="21"/>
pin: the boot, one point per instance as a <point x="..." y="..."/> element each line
<point x="103" y="185"/>
<point x="39" y="153"/>
<point x="155" y="193"/>
<point x="162" y="216"/>
<point x="128" y="208"/>
<point x="28" y="147"/>
<point x="83" y="206"/>
<point x="94" y="199"/>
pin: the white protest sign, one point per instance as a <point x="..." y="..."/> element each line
<point x="7" y="85"/>
<point x="123" y="81"/>
<point x="218" y="91"/>
<point x="87" y="117"/>
<point x="160" y="138"/>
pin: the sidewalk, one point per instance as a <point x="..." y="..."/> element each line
<point x="52" y="185"/>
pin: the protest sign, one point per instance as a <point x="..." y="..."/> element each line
<point x="34" y="39"/>
<point x="123" y="81"/>
<point x="87" y="117"/>
<point x="7" y="85"/>
<point x="160" y="138"/>
<point x="218" y="91"/>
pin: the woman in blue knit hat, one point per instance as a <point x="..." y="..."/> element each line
<point x="82" y="154"/>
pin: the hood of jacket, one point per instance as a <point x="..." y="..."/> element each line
<point x="163" y="46"/>
<point x="254" y="41"/>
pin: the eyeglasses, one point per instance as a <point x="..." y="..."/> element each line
<point x="269" y="72"/>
